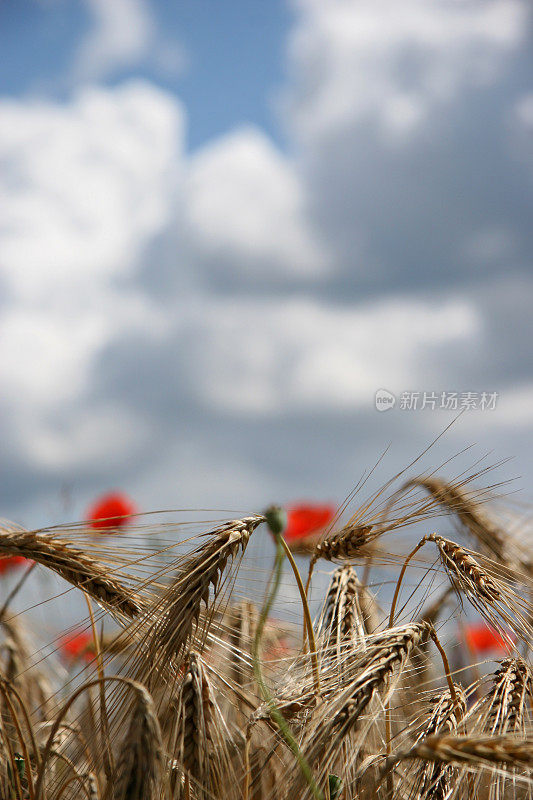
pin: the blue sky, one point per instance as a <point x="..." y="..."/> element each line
<point x="225" y="61"/>
<point x="226" y="226"/>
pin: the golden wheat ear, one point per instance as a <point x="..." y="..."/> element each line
<point x="348" y="615"/>
<point x="381" y="514"/>
<point x="490" y="588"/>
<point x="465" y="766"/>
<point x="510" y="751"/>
<point x="348" y="714"/>
<point x="170" y="621"/>
<point x="469" y="506"/>
<point x="345" y="545"/>
<point x="505" y="709"/>
<point x="199" y="742"/>
<point x="139" y="770"/>
<point x="440" y="714"/>
<point x="506" y="705"/>
<point x="73" y="565"/>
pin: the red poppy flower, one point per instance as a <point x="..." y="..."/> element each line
<point x="9" y="563"/>
<point x="111" y="511"/>
<point x="481" y="638"/>
<point x="307" y="519"/>
<point x="76" y="646"/>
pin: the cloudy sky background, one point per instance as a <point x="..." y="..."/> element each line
<point x="224" y="226"/>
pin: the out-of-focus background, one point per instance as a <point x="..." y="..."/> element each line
<point x="226" y="225"/>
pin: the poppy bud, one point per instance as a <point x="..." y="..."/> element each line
<point x="276" y="519"/>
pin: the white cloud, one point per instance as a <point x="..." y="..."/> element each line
<point x="286" y="356"/>
<point x="513" y="411"/>
<point x="88" y="188"/>
<point x="245" y="208"/>
<point x="302" y="282"/>
<point x="125" y="34"/>
<point x="49" y="348"/>
<point x="122" y="34"/>
<point x="392" y="62"/>
<point x="107" y="434"/>
<point x="397" y="111"/>
<point x="85" y="186"/>
<point x="45" y="358"/>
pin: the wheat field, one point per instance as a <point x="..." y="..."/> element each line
<point x="192" y="685"/>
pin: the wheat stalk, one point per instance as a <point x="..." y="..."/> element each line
<point x="198" y="741"/>
<point x="171" y="620"/>
<point x="444" y="715"/>
<point x="488" y="593"/>
<point x="242" y="619"/>
<point x="470" y="576"/>
<point x="340" y="714"/>
<point x="139" y="768"/>
<point x="72" y="565"/>
<point x="474" y="750"/>
<point x="453" y="497"/>
<point x="347" y="614"/>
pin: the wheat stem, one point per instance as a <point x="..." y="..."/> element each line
<point x="9" y="686"/>
<point x="307" y="614"/>
<point x="18" y="586"/>
<point x="451" y="686"/>
<point x="108" y="756"/>
<point x="25" y="753"/>
<point x="388" y="732"/>
<point x="413" y="552"/>
<point x="63" y="711"/>
<point x="275" y="713"/>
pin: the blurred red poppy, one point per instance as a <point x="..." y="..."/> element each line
<point x="76" y="646"/>
<point x="111" y="511"/>
<point x="9" y="563"/>
<point x="278" y="650"/>
<point x="307" y="519"/>
<point x="481" y="638"/>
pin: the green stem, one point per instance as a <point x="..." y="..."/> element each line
<point x="275" y="713"/>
